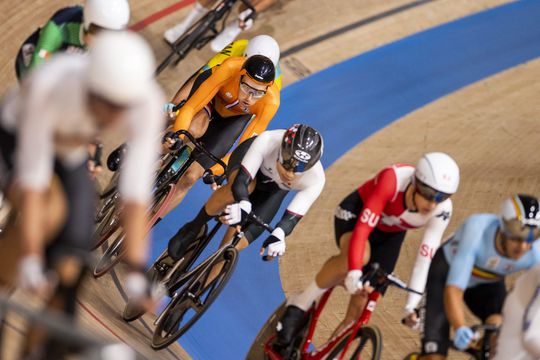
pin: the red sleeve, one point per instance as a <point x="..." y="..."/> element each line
<point x="375" y="195"/>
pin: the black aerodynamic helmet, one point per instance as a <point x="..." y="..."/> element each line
<point x="260" y="68"/>
<point x="301" y="148"/>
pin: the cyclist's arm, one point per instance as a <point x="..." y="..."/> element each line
<point x="251" y="163"/>
<point x="203" y="95"/>
<point x="302" y="201"/>
<point x="383" y="191"/>
<point x="531" y="320"/>
<point x="34" y="161"/>
<point x="432" y="239"/>
<point x="136" y="178"/>
<point x="50" y="40"/>
<point x="460" y="272"/>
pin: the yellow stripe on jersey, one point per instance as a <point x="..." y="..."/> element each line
<point x="236" y="48"/>
<point x="484" y="274"/>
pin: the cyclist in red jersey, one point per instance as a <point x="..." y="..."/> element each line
<point x="374" y="220"/>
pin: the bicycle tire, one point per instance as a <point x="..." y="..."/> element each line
<point x="105" y="228"/>
<point x="181" y="301"/>
<point x="365" y="333"/>
<point x="256" y="351"/>
<point x="110" y="257"/>
<point x="131" y="311"/>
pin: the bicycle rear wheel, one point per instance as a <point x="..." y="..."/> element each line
<point x="267" y="331"/>
<point x="366" y="343"/>
<point x="188" y="305"/>
<point x="111" y="256"/>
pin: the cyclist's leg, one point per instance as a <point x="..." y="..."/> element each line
<point x="265" y="205"/>
<point x="218" y="139"/>
<point x="69" y="249"/>
<point x="214" y="206"/>
<point x="435" y="341"/>
<point x="335" y="268"/>
<point x="385" y="248"/>
<point x="201" y="7"/>
<point x="489" y="312"/>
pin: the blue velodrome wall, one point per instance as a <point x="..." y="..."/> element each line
<point x="347" y="103"/>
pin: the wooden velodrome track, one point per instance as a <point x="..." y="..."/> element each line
<point x="463" y="128"/>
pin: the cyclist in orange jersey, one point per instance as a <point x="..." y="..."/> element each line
<point x="238" y="95"/>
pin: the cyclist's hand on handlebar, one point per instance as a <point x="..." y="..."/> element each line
<point x="210" y="179"/>
<point x="463" y="337"/>
<point x="411" y="320"/>
<point x="355" y="284"/>
<point x="171" y="142"/>
<point x="170" y="111"/>
<point x="236" y="214"/>
<point x="32" y="276"/>
<point x="275" y="243"/>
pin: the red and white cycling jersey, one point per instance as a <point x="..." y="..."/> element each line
<point x="384" y="208"/>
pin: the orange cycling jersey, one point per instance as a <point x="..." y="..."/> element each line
<point x="221" y="88"/>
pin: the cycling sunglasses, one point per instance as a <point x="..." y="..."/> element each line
<point x="249" y="90"/>
<point x="292" y="164"/>
<point x="429" y="193"/>
<point x="516" y="230"/>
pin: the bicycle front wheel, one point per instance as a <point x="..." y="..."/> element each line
<point x="193" y="300"/>
<point x="367" y="343"/>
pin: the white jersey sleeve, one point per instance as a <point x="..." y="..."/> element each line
<point x="306" y="196"/>
<point x="257" y="151"/>
<point x="145" y="122"/>
<point x="430" y="243"/>
<point x="35" y="148"/>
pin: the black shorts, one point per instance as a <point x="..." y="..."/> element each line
<point x="483" y="300"/>
<point x="75" y="236"/>
<point x="222" y="132"/>
<point x="8" y="143"/>
<point x="266" y="198"/>
<point x="385" y="246"/>
<point x="24" y="56"/>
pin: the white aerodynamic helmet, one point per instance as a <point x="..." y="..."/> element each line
<point x="121" y="67"/>
<point x="107" y="14"/>
<point x="263" y="45"/>
<point x="436" y="176"/>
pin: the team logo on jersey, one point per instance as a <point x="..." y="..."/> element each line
<point x="369" y="217"/>
<point x="508" y="267"/>
<point x="302" y="155"/>
<point x="228" y="94"/>
<point x="492" y="262"/>
<point x="343" y="214"/>
<point x="445" y="215"/>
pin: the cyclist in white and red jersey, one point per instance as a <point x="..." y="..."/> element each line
<point x="374" y="220"/>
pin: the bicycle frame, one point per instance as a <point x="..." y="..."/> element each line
<point x="314" y="314"/>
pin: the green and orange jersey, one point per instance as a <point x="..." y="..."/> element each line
<point x="63" y="32"/>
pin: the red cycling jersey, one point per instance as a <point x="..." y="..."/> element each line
<point x="384" y="208"/>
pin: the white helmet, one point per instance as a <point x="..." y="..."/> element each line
<point x="108" y="14"/>
<point x="121" y="67"/>
<point x="263" y="45"/>
<point x="439" y="172"/>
